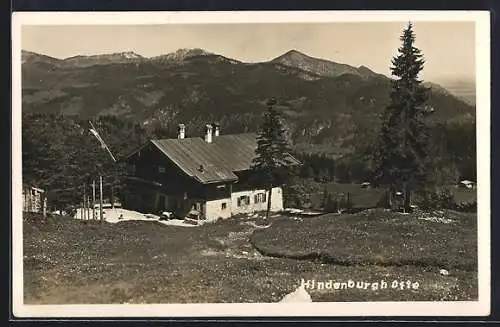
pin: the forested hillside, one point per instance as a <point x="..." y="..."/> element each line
<point x="332" y="111"/>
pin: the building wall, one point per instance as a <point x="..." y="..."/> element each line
<point x="213" y="209"/>
<point x="33" y="200"/>
<point x="276" y="201"/>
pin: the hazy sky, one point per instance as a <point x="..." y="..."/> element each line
<point x="448" y="47"/>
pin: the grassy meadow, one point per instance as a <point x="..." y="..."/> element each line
<point x="68" y="261"/>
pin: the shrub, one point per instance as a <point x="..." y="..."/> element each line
<point x="35" y="218"/>
<point x="348" y="202"/>
<point x="339" y="202"/>
<point x="467" y="206"/>
<point x="443" y="199"/>
<point x="447" y="199"/>
<point x="331" y="204"/>
<point x="383" y="202"/>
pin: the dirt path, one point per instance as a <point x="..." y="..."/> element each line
<point x="237" y="244"/>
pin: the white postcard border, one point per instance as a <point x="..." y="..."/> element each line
<point x="464" y="308"/>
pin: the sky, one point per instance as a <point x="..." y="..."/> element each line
<point x="448" y="47"/>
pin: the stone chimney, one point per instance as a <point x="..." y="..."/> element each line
<point x="182" y="131"/>
<point x="216" y="129"/>
<point x="208" y="134"/>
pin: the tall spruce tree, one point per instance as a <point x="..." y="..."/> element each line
<point x="402" y="158"/>
<point x="271" y="162"/>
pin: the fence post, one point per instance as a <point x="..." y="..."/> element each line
<point x="84" y="205"/>
<point x="28" y="202"/>
<point x="100" y="198"/>
<point x="93" y="199"/>
<point x="44" y="205"/>
<point x="348" y="202"/>
<point x="88" y="208"/>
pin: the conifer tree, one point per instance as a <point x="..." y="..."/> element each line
<point x="402" y="150"/>
<point x="271" y="162"/>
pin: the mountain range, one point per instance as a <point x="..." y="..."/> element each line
<point x="333" y="106"/>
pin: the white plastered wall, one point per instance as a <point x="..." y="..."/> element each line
<point x="214" y="210"/>
<point x="276" y="201"/>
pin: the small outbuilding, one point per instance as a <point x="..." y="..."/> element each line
<point x="467" y="184"/>
<point x="34" y="199"/>
<point x="366" y="185"/>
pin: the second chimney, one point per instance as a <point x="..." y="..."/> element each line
<point x="182" y="131"/>
<point x="208" y="134"/>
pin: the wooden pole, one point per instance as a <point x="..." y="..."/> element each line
<point x="84" y="209"/>
<point x="100" y="198"/>
<point x="334" y="171"/>
<point x="407" y="198"/>
<point x="88" y="207"/>
<point x="44" y="205"/>
<point x="93" y="200"/>
<point x="102" y="142"/>
<point x="28" y="202"/>
<point x="268" y="211"/>
<point x="348" y="202"/>
<point x="389" y="198"/>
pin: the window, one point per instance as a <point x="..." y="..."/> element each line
<point x="243" y="200"/>
<point x="260" y="198"/>
<point x="196" y="206"/>
<point x="224" y="206"/>
<point x="131" y="169"/>
<point x="161" y="169"/>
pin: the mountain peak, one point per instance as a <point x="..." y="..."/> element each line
<point x="366" y="71"/>
<point x="191" y="52"/>
<point x="180" y="55"/>
<point x="321" y="67"/>
<point x="102" y="59"/>
<point x="293" y="52"/>
<point x="30" y="56"/>
<point x="130" y="55"/>
<point x="113" y="55"/>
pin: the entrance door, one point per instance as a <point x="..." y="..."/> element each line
<point x="161" y="202"/>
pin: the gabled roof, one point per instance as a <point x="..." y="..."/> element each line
<point x="212" y="162"/>
<point x="236" y="151"/>
<point x="196" y="158"/>
<point x="26" y="186"/>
